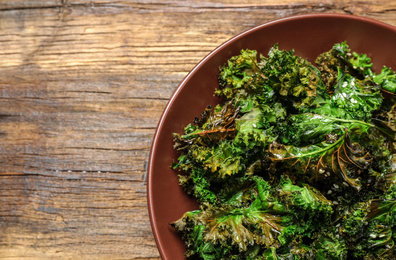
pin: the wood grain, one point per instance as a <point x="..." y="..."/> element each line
<point x="82" y="87"/>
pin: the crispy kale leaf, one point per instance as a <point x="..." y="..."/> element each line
<point x="386" y="79"/>
<point x="281" y="77"/>
<point x="352" y="98"/>
<point x="340" y="57"/>
<point x="358" y="98"/>
<point x="355" y="64"/>
<point x="241" y="81"/>
<point x="294" y="79"/>
<point x="252" y="220"/>
<point x="247" y="220"/>
<point x="223" y="144"/>
<point x="338" y="157"/>
<point x="368" y="229"/>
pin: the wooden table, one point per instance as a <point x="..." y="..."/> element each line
<point x="82" y="87"/>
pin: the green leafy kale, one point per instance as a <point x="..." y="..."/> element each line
<point x="297" y="162"/>
<point x="340" y="57"/>
<point x="294" y="79"/>
<point x="386" y="79"/>
<point x="271" y="218"/>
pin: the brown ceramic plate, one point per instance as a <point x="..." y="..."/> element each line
<point x="309" y="35"/>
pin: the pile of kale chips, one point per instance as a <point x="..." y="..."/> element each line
<point x="298" y="162"/>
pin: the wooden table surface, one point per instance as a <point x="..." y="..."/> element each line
<point x="82" y="87"/>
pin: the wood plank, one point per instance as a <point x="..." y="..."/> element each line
<point x="32" y="4"/>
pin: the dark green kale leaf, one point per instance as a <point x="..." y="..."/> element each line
<point x="386" y="79"/>
<point x="246" y="224"/>
<point x="310" y="209"/>
<point x="323" y="245"/>
<point x="308" y="128"/>
<point x="358" y="98"/>
<point x="254" y="129"/>
<point x="295" y="80"/>
<point x="352" y="99"/>
<point x="241" y="79"/>
<point x="368" y="229"/>
<point x="360" y="63"/>
<point x="328" y="246"/>
<point x="211" y="127"/>
<point x="239" y="70"/>
<point x="194" y="179"/>
<point x="336" y="157"/>
<point x="222" y="144"/>
<point x="227" y="230"/>
<point x="340" y="57"/>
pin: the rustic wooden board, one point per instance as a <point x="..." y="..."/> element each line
<point x="82" y="87"/>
